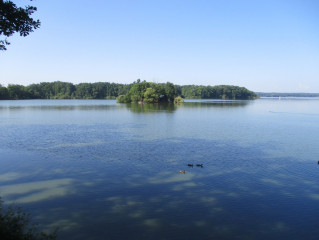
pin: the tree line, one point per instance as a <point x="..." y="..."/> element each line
<point x="217" y="92"/>
<point x="105" y="90"/>
<point x="63" y="90"/>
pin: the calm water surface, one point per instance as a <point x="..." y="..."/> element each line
<point x="102" y="170"/>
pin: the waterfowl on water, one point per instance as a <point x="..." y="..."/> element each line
<point x="190" y="165"/>
<point x="182" y="171"/>
<point x="199" y="165"/>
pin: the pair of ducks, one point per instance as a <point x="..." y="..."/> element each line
<point x="197" y="165"/>
<point x="191" y="165"/>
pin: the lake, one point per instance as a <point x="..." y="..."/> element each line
<point x="101" y="170"/>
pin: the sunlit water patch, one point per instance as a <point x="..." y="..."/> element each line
<point x="101" y="170"/>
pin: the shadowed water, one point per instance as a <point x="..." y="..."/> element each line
<point x="101" y="170"/>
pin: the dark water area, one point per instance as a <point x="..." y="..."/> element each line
<point x="101" y="170"/>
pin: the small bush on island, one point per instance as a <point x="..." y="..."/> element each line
<point x="122" y="99"/>
<point x="178" y="100"/>
<point x="15" y="224"/>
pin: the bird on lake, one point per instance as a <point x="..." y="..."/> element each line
<point x="199" y="165"/>
<point x="182" y="171"/>
<point x="190" y="165"/>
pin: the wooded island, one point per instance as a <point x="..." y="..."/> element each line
<point x="134" y="92"/>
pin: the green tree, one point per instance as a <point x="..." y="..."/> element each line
<point x="18" y="92"/>
<point x="34" y="91"/>
<point x="15" y="19"/>
<point x="4" y="94"/>
<point x="62" y="90"/>
<point x="149" y="92"/>
<point x="123" y="99"/>
<point x="136" y="93"/>
<point x="150" y="96"/>
<point x="170" y="91"/>
<point x="178" y="100"/>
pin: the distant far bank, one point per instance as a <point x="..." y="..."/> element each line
<point x="272" y="94"/>
<point x="136" y="91"/>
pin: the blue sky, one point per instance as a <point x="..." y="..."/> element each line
<point x="263" y="45"/>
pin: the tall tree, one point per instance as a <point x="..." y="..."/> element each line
<point x="15" y="19"/>
<point x="4" y="94"/>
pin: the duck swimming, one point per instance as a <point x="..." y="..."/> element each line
<point x="199" y="165"/>
<point x="182" y="171"/>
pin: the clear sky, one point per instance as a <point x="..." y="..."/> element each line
<point x="263" y="45"/>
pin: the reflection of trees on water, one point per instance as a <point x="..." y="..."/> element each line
<point x="170" y="107"/>
<point x="134" y="107"/>
<point x="61" y="107"/>
<point x="215" y="104"/>
<point x="151" y="107"/>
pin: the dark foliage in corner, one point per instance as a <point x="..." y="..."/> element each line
<point x="15" y="224"/>
<point x="15" y="19"/>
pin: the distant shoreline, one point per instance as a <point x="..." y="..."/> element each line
<point x="273" y="94"/>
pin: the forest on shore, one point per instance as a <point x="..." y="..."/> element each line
<point x="106" y="90"/>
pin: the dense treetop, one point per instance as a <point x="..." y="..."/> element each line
<point x="149" y="92"/>
<point x="135" y="92"/>
<point x="15" y="19"/>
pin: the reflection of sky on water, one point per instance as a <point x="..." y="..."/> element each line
<point x="106" y="179"/>
<point x="37" y="191"/>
